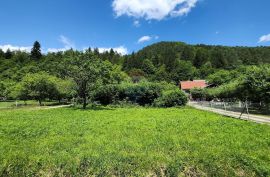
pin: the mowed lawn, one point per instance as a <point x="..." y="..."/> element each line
<point x="131" y="142"/>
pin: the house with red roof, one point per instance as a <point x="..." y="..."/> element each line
<point x="188" y="85"/>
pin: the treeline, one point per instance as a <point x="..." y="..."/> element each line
<point x="79" y="75"/>
<point x="246" y="84"/>
<point x="175" y="61"/>
<point x="134" y="77"/>
<point x="164" y="61"/>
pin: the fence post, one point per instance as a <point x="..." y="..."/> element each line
<point x="224" y="105"/>
<point x="242" y="111"/>
<point x="247" y="109"/>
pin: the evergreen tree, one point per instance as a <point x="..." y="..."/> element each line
<point x="8" y="54"/>
<point x="36" y="51"/>
<point x="201" y="57"/>
<point x="148" y="67"/>
<point x="2" y="53"/>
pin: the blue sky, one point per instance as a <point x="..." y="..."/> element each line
<point x="129" y="25"/>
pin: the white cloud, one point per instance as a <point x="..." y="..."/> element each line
<point x="121" y="49"/>
<point x="68" y="44"/>
<point x="147" y="38"/>
<point x="264" y="38"/>
<point x="66" y="41"/>
<point x="144" y="39"/>
<point x="15" y="48"/>
<point x="55" y="50"/>
<point x="136" y="23"/>
<point x="153" y="9"/>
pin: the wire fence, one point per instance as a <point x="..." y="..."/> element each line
<point x="241" y="107"/>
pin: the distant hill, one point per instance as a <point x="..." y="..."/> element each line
<point x="178" y="60"/>
<point x="219" y="56"/>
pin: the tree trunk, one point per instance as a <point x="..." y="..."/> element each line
<point x="39" y="101"/>
<point x="84" y="102"/>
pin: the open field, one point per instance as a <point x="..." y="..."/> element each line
<point x="131" y="142"/>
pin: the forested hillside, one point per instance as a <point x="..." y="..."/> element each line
<point x="165" y="61"/>
<point x="174" y="61"/>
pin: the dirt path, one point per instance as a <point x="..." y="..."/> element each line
<point x="50" y="107"/>
<point x="56" y="107"/>
<point x="250" y="117"/>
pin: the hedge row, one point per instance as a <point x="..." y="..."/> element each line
<point x="144" y="93"/>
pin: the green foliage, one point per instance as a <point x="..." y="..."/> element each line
<point x="183" y="71"/>
<point x="66" y="89"/>
<point x="171" y="98"/>
<point x="160" y="75"/>
<point x="225" y="91"/>
<point x="39" y="86"/>
<point x="165" y="61"/>
<point x="2" y="90"/>
<point x="205" y="58"/>
<point x="222" y="77"/>
<point x="148" y="67"/>
<point x="106" y="95"/>
<point x="205" y="70"/>
<point x="142" y="93"/>
<point x="36" y="51"/>
<point x="253" y="85"/>
<point x="6" y="89"/>
<point x="8" y="54"/>
<point x="202" y="56"/>
<point x="136" y="75"/>
<point x="198" y="93"/>
<point x="89" y="73"/>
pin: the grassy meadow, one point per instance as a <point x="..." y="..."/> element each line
<point x="130" y="142"/>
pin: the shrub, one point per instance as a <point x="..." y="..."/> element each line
<point x="171" y="98"/>
<point x="198" y="93"/>
<point x="142" y="93"/>
<point x="106" y="95"/>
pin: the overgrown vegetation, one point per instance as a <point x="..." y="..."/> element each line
<point x="244" y="84"/>
<point x="130" y="142"/>
<point x="142" y="93"/>
<point x="236" y="73"/>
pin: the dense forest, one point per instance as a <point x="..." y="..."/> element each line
<point x="175" y="61"/>
<point x="168" y="62"/>
<point x="164" y="61"/>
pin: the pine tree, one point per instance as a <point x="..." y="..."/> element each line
<point x="36" y="51"/>
<point x="8" y="54"/>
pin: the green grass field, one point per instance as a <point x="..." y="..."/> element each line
<point x="131" y="142"/>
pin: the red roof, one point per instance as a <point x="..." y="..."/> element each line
<point x="188" y="85"/>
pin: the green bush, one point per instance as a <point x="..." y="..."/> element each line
<point x="198" y="93"/>
<point x="106" y="95"/>
<point x="142" y="93"/>
<point x="171" y="98"/>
